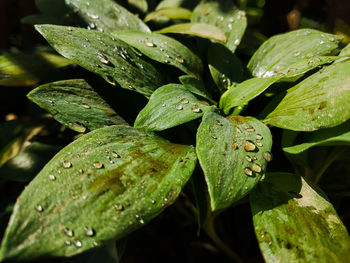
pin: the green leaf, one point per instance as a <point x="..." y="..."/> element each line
<point x="280" y="52"/>
<point x="233" y="153"/>
<point x="169" y="106"/>
<point x="345" y="51"/>
<point x="196" y="29"/>
<point x="169" y="3"/>
<point x="28" y="68"/>
<point x="339" y="135"/>
<point x="296" y="223"/>
<point x="28" y="162"/>
<point x="244" y="92"/>
<point x="75" y="104"/>
<point x="196" y="86"/>
<point x="319" y="101"/>
<point x="224" y="15"/>
<point x="106" y="15"/>
<point x="111" y="58"/>
<point x="163" y="49"/>
<point x="170" y="13"/>
<point x="225" y="67"/>
<point x="106" y="184"/>
<point x="140" y="5"/>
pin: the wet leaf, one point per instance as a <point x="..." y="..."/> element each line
<point x="28" y="68"/>
<point x="164" y="49"/>
<point x="196" y="29"/>
<point x="169" y="3"/>
<point x="196" y="86"/>
<point x="107" y="184"/>
<point x="225" y="67"/>
<point x="294" y="222"/>
<point x="106" y="15"/>
<point x="75" y="104"/>
<point x="339" y="135"/>
<point x="277" y="55"/>
<point x="319" y="101"/>
<point x="169" y="106"/>
<point x="170" y="13"/>
<point x="244" y="92"/>
<point x="233" y="153"/>
<point x="140" y="5"/>
<point x="111" y="58"/>
<point x="224" y="15"/>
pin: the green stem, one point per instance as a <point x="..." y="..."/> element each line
<point x="209" y="228"/>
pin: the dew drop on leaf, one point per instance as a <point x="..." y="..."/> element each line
<point x="68" y="232"/>
<point x="97" y="165"/>
<point x="66" y="164"/>
<point x="115" y="155"/>
<point x="256" y="168"/>
<point x="248" y="158"/>
<point x="249" y="146"/>
<point x="85" y="106"/>
<point x="67" y="242"/>
<point x="52" y="177"/>
<point x="258" y="137"/>
<point x="118" y="207"/>
<point x="78" y="243"/>
<point x="178" y="107"/>
<point x="184" y="101"/>
<point x="39" y="208"/>
<point x="149" y="43"/>
<point x="248" y="171"/>
<point x="259" y="144"/>
<point x="180" y="59"/>
<point x="196" y="109"/>
<point x="89" y="231"/>
<point x="267" y="156"/>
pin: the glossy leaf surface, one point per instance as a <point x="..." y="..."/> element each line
<point x="106" y="184"/>
<point x="196" y="29"/>
<point x="296" y="223"/>
<point x="233" y="154"/>
<point x="224" y="15"/>
<point x="170" y="13"/>
<point x="75" y="104"/>
<point x="277" y="55"/>
<point x="169" y="106"/>
<point x="319" y="101"/>
<point x="163" y="49"/>
<point x="196" y="86"/>
<point x="106" y="15"/>
<point x="111" y="58"/>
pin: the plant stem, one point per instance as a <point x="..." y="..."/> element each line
<point x="209" y="228"/>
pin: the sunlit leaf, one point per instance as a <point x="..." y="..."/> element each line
<point x="111" y="58"/>
<point x="75" y="104"/>
<point x="169" y="106"/>
<point x="319" y="101"/>
<point x="102" y="186"/>
<point x="170" y="13"/>
<point x="233" y="153"/>
<point x="296" y="223"/>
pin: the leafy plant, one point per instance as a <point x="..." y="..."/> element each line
<point x="115" y="177"/>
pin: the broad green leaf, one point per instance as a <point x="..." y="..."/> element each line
<point x="339" y="135"/>
<point x="170" y="13"/>
<point x="169" y="3"/>
<point x="196" y="86"/>
<point x="163" y="49"/>
<point x="196" y="29"/>
<point x="224" y="15"/>
<point x="28" y="68"/>
<point x="28" y="162"/>
<point x="169" y="106"/>
<point x="141" y="5"/>
<point x="106" y="15"/>
<point x="75" y="104"/>
<point x="14" y="136"/>
<point x="280" y="52"/>
<point x="345" y="51"/>
<point x="111" y="58"/>
<point x="102" y="186"/>
<point x="319" y="101"/>
<point x="296" y="223"/>
<point x="244" y="92"/>
<point x="225" y="67"/>
<point x="233" y="153"/>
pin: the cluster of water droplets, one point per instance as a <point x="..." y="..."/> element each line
<point x="184" y="103"/>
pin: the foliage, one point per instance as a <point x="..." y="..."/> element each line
<point x="206" y="102"/>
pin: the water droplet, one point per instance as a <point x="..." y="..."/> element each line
<point x="165" y="61"/>
<point x="69" y="28"/>
<point x="93" y="16"/>
<point x="52" y="177"/>
<point x="85" y="106"/>
<point x="141" y="221"/>
<point x="95" y="244"/>
<point x="149" y="43"/>
<point x="68" y="232"/>
<point x="163" y="105"/>
<point x="218" y="123"/>
<point x="259" y="144"/>
<point x="102" y="58"/>
<point x="297" y="53"/>
<point x="248" y="171"/>
<point x="184" y="101"/>
<point x="89" y="231"/>
<point x="81" y="171"/>
<point x="256" y="168"/>
<point x="248" y="146"/>
<point x="118" y="207"/>
<point x="115" y="155"/>
<point x="91" y="25"/>
<point x="66" y="164"/>
<point x="214" y="137"/>
<point x="196" y="109"/>
<point x="235" y="146"/>
<point x="153" y="201"/>
<point x="229" y="26"/>
<point x="250" y="129"/>
<point x="67" y="242"/>
<point x="180" y="59"/>
<point x="236" y="42"/>
<point x="258" y="137"/>
<point x="39" y="208"/>
<point x="78" y="243"/>
<point x="248" y="158"/>
<point x="165" y="199"/>
<point x="178" y="107"/>
<point x="97" y="165"/>
<point x="331" y="39"/>
<point x="267" y="156"/>
<point x="240" y="14"/>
